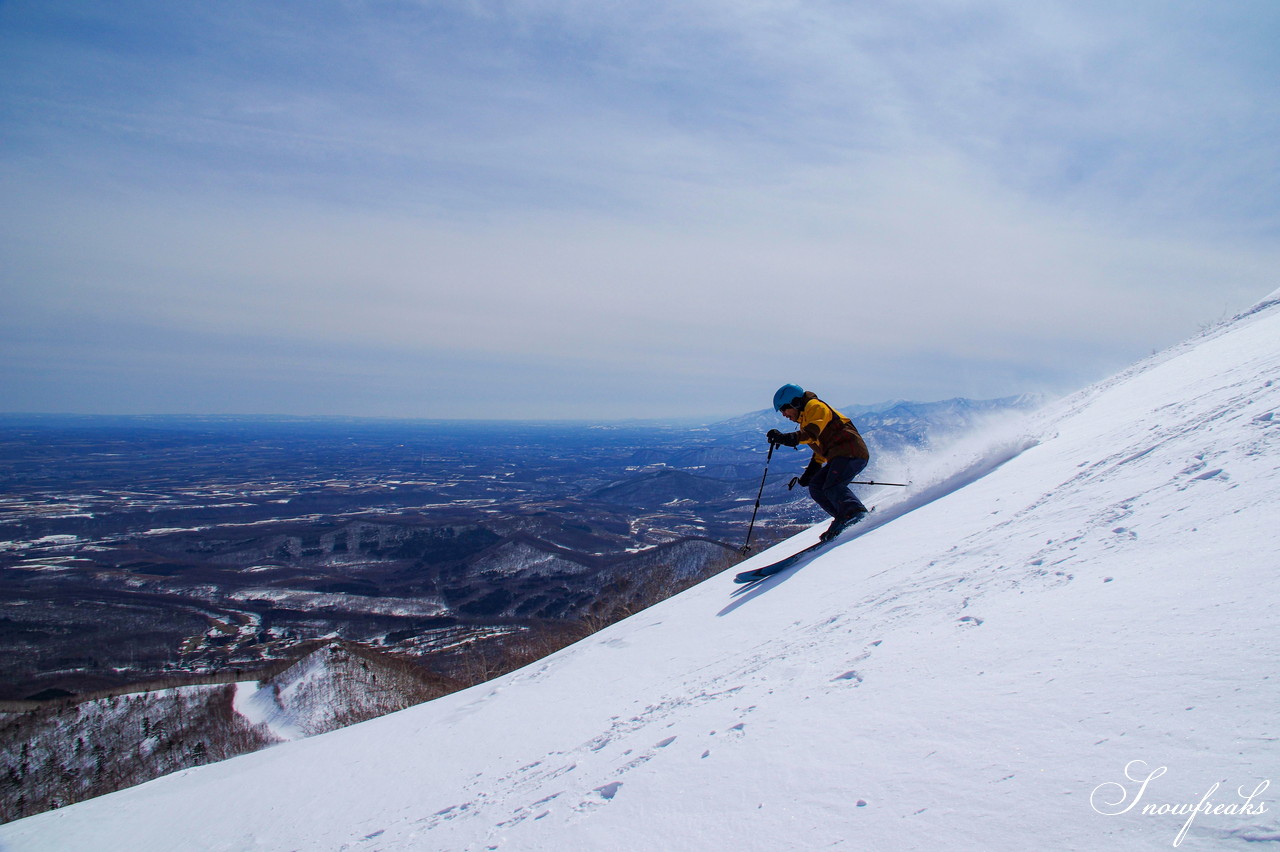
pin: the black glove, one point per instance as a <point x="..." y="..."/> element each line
<point x="788" y="439"/>
<point x="809" y="473"/>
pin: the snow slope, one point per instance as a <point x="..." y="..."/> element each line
<point x="1089" y="603"/>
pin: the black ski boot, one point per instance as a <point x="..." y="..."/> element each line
<point x="841" y="524"/>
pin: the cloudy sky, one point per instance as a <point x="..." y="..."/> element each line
<point x="593" y="209"/>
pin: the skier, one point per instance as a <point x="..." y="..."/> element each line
<point x="839" y="454"/>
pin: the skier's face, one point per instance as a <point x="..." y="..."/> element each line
<point x="791" y="414"/>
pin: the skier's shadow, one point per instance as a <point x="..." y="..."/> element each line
<point x="754" y="590"/>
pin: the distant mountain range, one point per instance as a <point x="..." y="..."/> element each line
<point x="899" y="423"/>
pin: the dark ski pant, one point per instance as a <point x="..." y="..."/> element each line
<point x="829" y="487"/>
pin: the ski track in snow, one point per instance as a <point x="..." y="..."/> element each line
<point x="1094" y="588"/>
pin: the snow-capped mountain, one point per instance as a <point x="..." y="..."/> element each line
<point x="1062" y="639"/>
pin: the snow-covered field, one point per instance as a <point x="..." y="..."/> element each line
<point x="1062" y="642"/>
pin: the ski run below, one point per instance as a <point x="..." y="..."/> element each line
<point x="1064" y="639"/>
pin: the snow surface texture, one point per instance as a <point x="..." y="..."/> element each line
<point x="997" y="663"/>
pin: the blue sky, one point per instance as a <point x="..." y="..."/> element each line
<point x="600" y="210"/>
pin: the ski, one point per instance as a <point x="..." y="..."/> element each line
<point x="781" y="565"/>
<point x="758" y="574"/>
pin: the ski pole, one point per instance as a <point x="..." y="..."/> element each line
<point x="746" y="548"/>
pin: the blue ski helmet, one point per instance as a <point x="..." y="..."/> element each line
<point x="786" y="395"/>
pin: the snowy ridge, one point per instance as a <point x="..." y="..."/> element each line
<point x="324" y="690"/>
<point x="57" y="754"/>
<point x="998" y="663"/>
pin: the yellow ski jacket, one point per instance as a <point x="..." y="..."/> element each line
<point x="828" y="432"/>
